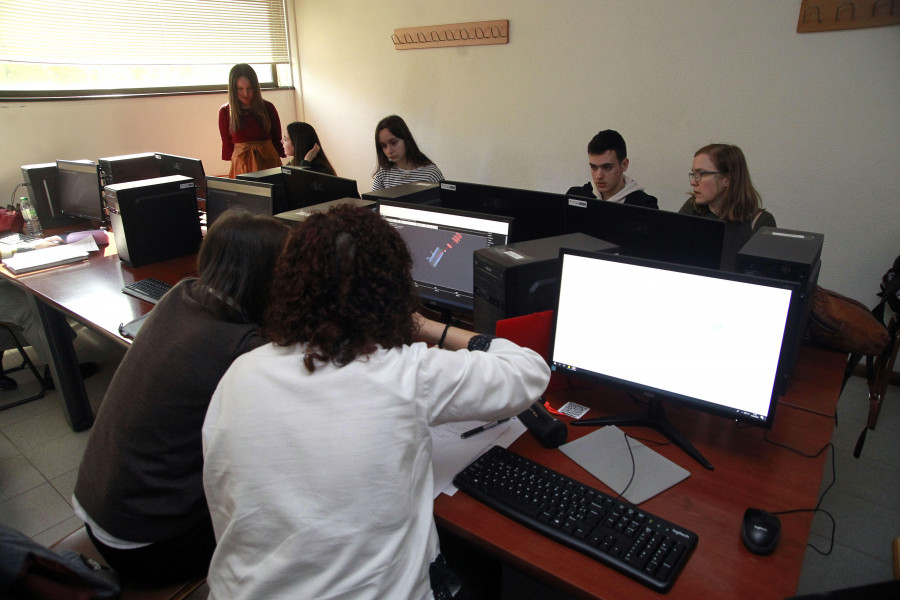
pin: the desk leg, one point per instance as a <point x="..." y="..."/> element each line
<point x="64" y="366"/>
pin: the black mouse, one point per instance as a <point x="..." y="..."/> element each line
<point x="760" y="531"/>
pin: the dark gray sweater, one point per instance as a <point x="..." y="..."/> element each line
<point x="141" y="476"/>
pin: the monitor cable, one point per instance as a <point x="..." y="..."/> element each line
<point x="12" y="198"/>
<point x="818" y="508"/>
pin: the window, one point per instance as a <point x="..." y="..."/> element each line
<point x="101" y="47"/>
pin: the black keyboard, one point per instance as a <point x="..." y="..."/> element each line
<point x="620" y="535"/>
<point x="150" y="290"/>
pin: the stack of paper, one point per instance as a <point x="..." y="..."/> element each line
<point x="34" y="260"/>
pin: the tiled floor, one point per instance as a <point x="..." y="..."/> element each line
<point x="39" y="452"/>
<point x="39" y="456"/>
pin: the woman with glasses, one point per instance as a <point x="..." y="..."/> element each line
<point x="721" y="189"/>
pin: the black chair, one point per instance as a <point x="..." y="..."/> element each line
<point x="11" y="341"/>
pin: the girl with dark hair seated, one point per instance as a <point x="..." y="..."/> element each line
<point x="317" y="451"/>
<point x="140" y="487"/>
<point x="302" y="144"/>
<point x="399" y="159"/>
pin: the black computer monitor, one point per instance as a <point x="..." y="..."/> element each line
<point x="80" y="192"/>
<point x="443" y="242"/>
<point x="170" y="164"/>
<point x="647" y="232"/>
<point x="41" y="183"/>
<point x="129" y="167"/>
<point x="537" y="214"/>
<point x="704" y="339"/>
<point x="305" y="187"/>
<point x="224" y="194"/>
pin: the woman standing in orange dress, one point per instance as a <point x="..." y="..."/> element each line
<point x="249" y="126"/>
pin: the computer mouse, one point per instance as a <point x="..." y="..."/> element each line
<point x="100" y="236"/>
<point x="760" y="531"/>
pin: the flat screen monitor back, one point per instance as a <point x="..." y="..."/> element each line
<point x="80" y="194"/>
<point x="306" y="187"/>
<point x="648" y="232"/>
<point x="41" y="183"/>
<point x="170" y="164"/>
<point x="537" y="214"/>
<point x="223" y="194"/>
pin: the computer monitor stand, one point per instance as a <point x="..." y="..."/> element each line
<point x="655" y="418"/>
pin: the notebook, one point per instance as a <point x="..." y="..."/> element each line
<point x="35" y="260"/>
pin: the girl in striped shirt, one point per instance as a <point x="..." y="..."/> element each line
<point x="399" y="158"/>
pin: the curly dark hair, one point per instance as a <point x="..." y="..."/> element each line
<point x="343" y="286"/>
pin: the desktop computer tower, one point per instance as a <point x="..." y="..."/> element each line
<point x="276" y="178"/>
<point x="522" y="278"/>
<point x="43" y="191"/>
<point x="154" y="219"/>
<point x="781" y="254"/>
<point x="295" y="217"/>
<point x="790" y="256"/>
<point x="417" y="192"/>
<point x="129" y="167"/>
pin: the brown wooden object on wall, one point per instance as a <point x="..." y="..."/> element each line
<point x="478" y="33"/>
<point x="833" y="15"/>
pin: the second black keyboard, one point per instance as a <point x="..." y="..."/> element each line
<point x="616" y="533"/>
<point x="149" y="290"/>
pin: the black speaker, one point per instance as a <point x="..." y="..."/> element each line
<point x="154" y="219"/>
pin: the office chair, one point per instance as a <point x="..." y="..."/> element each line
<point x="11" y="341"/>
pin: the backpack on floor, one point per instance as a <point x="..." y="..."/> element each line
<point x="29" y="570"/>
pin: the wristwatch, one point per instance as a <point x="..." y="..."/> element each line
<point x="480" y="342"/>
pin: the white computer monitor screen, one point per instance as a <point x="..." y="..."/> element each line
<point x="701" y="338"/>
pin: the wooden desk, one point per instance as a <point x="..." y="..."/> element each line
<point x="749" y="471"/>
<point x="90" y="292"/>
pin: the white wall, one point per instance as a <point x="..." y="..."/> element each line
<point x="816" y="114"/>
<point x="186" y="125"/>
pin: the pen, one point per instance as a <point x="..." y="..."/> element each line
<point x="480" y="428"/>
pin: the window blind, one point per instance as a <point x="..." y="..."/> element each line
<point x="143" y="32"/>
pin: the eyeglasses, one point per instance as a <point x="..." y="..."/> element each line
<point x="697" y="176"/>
